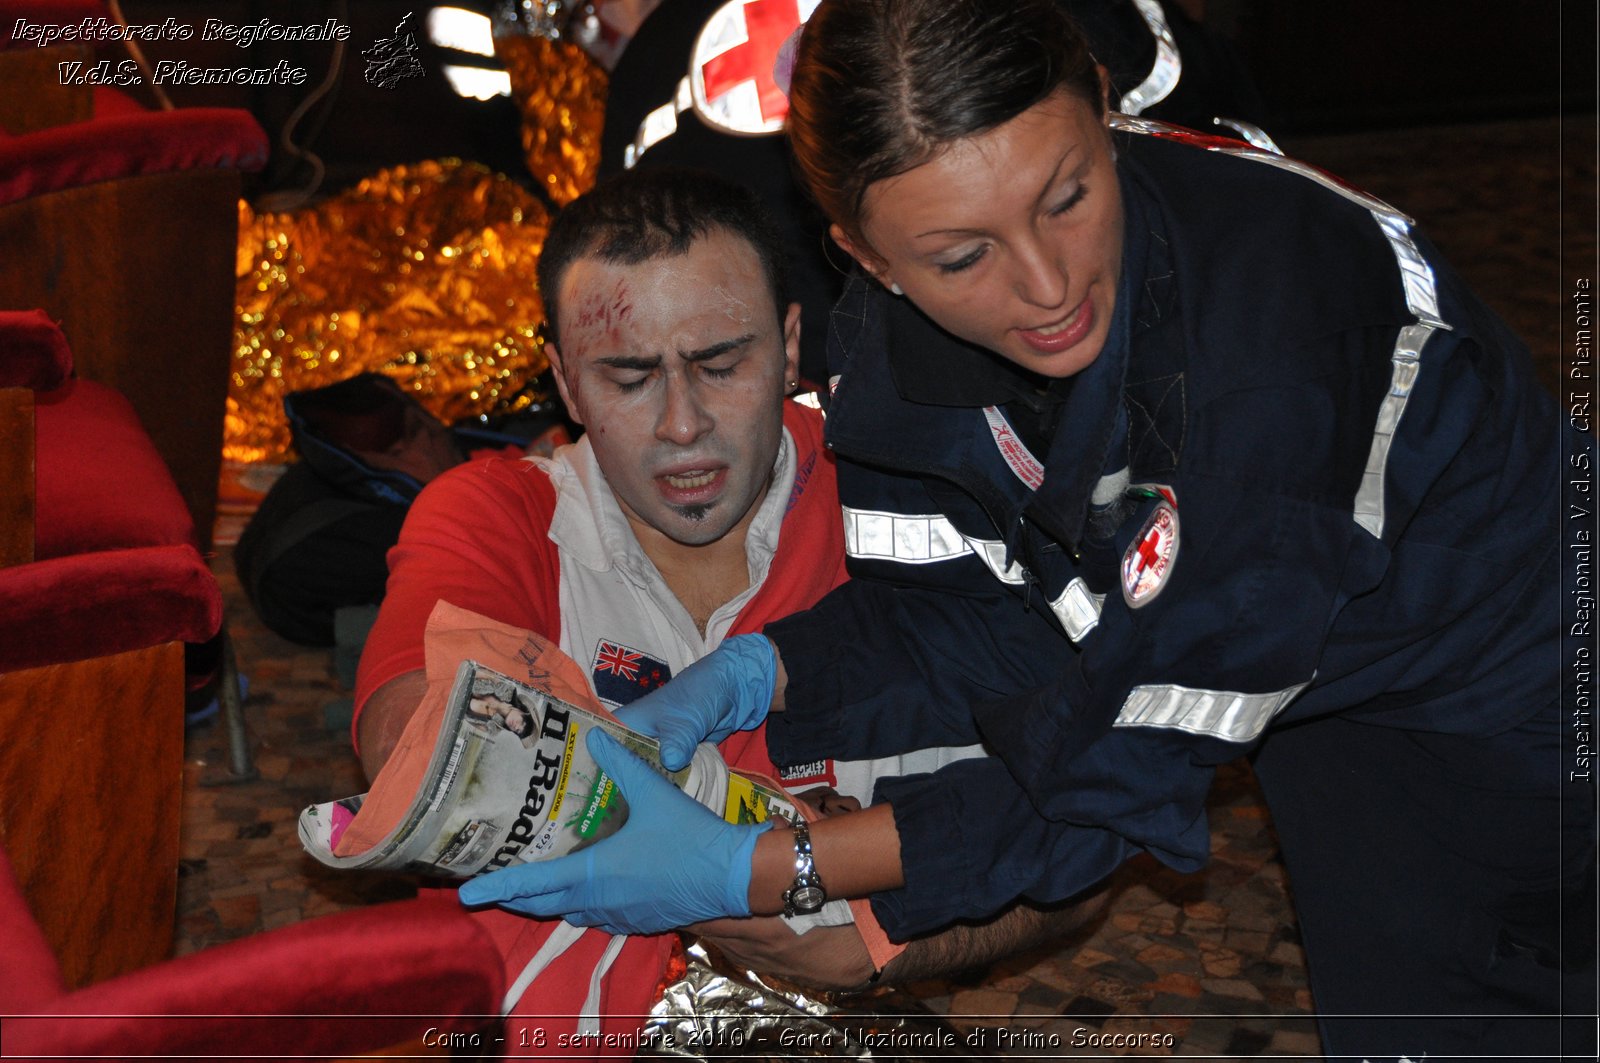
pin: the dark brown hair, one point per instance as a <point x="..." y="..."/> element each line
<point x="639" y="215"/>
<point x="880" y="85"/>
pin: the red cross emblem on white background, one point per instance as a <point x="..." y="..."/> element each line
<point x="1148" y="561"/>
<point x="1147" y="550"/>
<point x="730" y="73"/>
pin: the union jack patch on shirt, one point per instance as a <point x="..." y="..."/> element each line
<point x="622" y="673"/>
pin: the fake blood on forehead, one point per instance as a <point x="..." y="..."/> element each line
<point x="600" y="314"/>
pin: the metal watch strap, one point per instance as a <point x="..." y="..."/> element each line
<point x="807" y="895"/>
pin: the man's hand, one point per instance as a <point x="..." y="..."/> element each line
<point x="1020" y="927"/>
<point x="827" y="957"/>
<point x="729" y="689"/>
<point x="673" y="863"/>
<point x="835" y="958"/>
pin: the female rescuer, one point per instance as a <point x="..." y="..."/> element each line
<point x="1154" y="450"/>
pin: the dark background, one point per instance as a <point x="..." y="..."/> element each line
<point x="1323" y="68"/>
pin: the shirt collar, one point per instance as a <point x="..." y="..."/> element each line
<point x="931" y="367"/>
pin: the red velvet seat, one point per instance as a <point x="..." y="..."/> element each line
<point x="336" y="986"/>
<point x="126" y="570"/>
<point x="101" y="484"/>
<point x="129" y="143"/>
<point x="93" y="625"/>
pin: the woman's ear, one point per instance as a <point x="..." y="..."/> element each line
<point x="877" y="267"/>
<point x="1107" y="104"/>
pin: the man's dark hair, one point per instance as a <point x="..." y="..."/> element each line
<point x="881" y="85"/>
<point x="644" y="214"/>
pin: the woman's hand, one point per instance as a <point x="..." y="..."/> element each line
<point x="673" y="862"/>
<point x="825" y="957"/>
<point x="729" y="689"/>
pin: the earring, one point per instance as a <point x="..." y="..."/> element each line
<point x="792" y="385"/>
<point x="893" y="287"/>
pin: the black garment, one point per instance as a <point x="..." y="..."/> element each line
<point x="1365" y="477"/>
<point x="1458" y="847"/>
<point x="320" y="538"/>
<point x="312" y="548"/>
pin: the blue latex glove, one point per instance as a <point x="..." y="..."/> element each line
<point x="673" y="863"/>
<point x="727" y="690"/>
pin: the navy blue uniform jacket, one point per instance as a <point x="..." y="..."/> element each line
<point x="1366" y="478"/>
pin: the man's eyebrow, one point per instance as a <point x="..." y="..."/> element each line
<point x="705" y="354"/>
<point x="624" y="361"/>
<point x="642" y="363"/>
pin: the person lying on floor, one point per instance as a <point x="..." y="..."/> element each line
<point x="698" y="505"/>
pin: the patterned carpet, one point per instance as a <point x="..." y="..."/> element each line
<point x="1201" y="965"/>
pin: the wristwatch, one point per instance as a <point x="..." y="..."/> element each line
<point x="807" y="895"/>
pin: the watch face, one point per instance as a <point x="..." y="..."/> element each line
<point x="807" y="898"/>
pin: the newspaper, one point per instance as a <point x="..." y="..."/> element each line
<point x="510" y="780"/>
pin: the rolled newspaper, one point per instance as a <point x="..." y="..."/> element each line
<point x="510" y="780"/>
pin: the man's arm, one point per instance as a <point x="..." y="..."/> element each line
<point x="385" y="716"/>
<point x="498" y="563"/>
<point x="968" y="945"/>
<point x="835" y="958"/>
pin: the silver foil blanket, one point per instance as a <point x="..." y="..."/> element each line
<point x="714" y="1012"/>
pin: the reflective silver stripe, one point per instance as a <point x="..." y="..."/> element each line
<point x="1130" y="124"/>
<point x="993" y="554"/>
<point x="1078" y="609"/>
<point x="659" y="124"/>
<point x="1251" y="132"/>
<point x="912" y="539"/>
<point x="1407" y="362"/>
<point x="928" y="538"/>
<point x="1167" y="71"/>
<point x="1223" y="714"/>
<point x="1422" y="299"/>
<point x="1164" y="72"/>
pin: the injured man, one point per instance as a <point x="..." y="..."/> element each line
<point x="699" y="505"/>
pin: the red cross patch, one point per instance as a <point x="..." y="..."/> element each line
<point x="730" y="73"/>
<point x="1149" y="558"/>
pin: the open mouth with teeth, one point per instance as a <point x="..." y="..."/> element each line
<point x="1067" y="322"/>
<point x="692" y="487"/>
<point x="689" y="480"/>
<point x="1067" y="332"/>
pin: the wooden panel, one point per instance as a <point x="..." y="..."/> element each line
<point x="32" y="95"/>
<point x="140" y="274"/>
<point x="16" y="476"/>
<point x="91" y="774"/>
